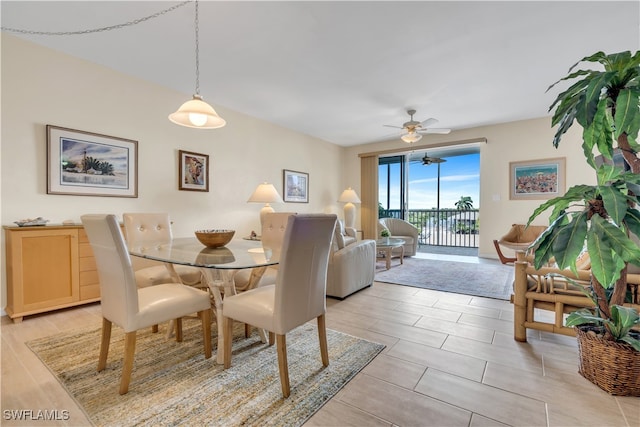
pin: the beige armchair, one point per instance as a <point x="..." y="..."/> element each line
<point x="401" y="229"/>
<point x="298" y="295"/>
<point x="133" y="308"/>
<point x="352" y="263"/>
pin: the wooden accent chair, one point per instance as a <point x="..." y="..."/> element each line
<point x="297" y="296"/>
<point x="133" y="308"/>
<point x="518" y="238"/>
<point x="548" y="289"/>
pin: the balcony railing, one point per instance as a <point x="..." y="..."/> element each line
<point x="443" y="227"/>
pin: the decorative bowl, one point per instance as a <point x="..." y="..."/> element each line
<point x="214" y="238"/>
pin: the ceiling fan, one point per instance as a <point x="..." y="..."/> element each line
<point x="426" y="160"/>
<point x="415" y="130"/>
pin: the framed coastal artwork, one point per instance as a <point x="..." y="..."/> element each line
<point x="295" y="186"/>
<point x="537" y="179"/>
<point x="193" y="171"/>
<point x="83" y="163"/>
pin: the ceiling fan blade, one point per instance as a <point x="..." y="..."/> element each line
<point x="428" y="122"/>
<point x="435" y="130"/>
<point x="391" y="126"/>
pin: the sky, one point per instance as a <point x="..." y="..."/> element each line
<point x="459" y="176"/>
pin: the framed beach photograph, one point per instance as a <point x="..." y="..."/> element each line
<point x="295" y="186"/>
<point x="537" y="179"/>
<point x="193" y="171"/>
<point x="89" y="164"/>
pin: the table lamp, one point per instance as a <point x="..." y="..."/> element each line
<point x="349" y="197"/>
<point x="265" y="193"/>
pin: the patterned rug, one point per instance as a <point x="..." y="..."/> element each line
<point x="483" y="280"/>
<point x="172" y="383"/>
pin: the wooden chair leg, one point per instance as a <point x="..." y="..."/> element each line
<point x="127" y="364"/>
<point x="322" y="335"/>
<point x="205" y="318"/>
<point x="503" y="259"/>
<point x="104" y="344"/>
<point x="228" y="339"/>
<point x="178" y="325"/>
<point x="154" y="329"/>
<point x="283" y="365"/>
<point x="247" y="330"/>
<point x="272" y="338"/>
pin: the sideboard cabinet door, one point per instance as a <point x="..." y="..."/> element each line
<point x="42" y="270"/>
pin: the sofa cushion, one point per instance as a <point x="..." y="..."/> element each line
<point x="338" y="237"/>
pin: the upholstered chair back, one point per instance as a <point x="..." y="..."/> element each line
<point x="273" y="232"/>
<point x="142" y="228"/>
<point x="118" y="289"/>
<point x="302" y="277"/>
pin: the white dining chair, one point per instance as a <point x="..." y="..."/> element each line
<point x="133" y="308"/>
<point x="297" y="296"/>
<point x="273" y="229"/>
<point x="153" y="229"/>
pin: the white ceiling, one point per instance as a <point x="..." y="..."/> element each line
<point x="339" y="71"/>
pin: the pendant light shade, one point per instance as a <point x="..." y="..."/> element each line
<point x="196" y="113"/>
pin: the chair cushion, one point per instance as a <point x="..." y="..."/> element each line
<point x="254" y="307"/>
<point x="150" y="276"/>
<point x="157" y="304"/>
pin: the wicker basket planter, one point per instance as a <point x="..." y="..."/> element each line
<point x="612" y="366"/>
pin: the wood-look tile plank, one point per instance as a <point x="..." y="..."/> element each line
<point x="400" y="406"/>
<point x="457" y="329"/>
<point x="453" y="363"/>
<point x="494" y="403"/>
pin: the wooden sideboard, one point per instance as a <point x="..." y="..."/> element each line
<point x="48" y="268"/>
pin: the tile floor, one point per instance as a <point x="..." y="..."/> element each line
<point x="450" y="360"/>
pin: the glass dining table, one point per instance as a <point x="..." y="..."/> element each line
<point x="218" y="266"/>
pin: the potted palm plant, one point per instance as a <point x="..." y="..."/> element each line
<point x="603" y="218"/>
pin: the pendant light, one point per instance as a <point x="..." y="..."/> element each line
<point x="196" y="113"/>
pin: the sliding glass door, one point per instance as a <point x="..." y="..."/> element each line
<point x="438" y="192"/>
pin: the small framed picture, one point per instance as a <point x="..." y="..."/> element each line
<point x="82" y="163"/>
<point x="295" y="186"/>
<point x="193" y="171"/>
<point x="537" y="179"/>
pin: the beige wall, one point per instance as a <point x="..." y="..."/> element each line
<point x="41" y="86"/>
<point x="508" y="142"/>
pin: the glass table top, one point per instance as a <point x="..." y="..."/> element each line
<point x="236" y="254"/>
<point x="389" y="242"/>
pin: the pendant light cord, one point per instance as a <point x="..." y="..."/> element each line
<point x="197" y="53"/>
<point x="109" y="28"/>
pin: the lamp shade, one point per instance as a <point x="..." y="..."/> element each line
<point x="265" y="193"/>
<point x="196" y="113"/>
<point x="349" y="196"/>
<point x="410" y="137"/>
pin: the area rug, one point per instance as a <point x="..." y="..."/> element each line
<point x="172" y="383"/>
<point x="483" y="280"/>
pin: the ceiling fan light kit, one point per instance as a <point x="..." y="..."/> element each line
<point x="411" y="137"/>
<point x="414" y="129"/>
